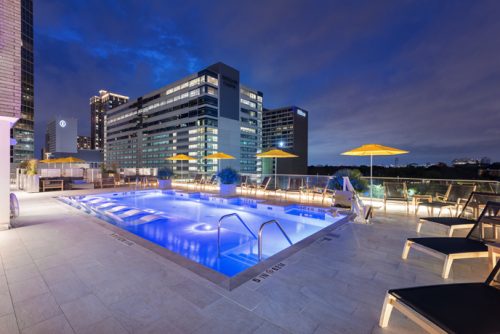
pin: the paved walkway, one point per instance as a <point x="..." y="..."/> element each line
<point x="63" y="273"/>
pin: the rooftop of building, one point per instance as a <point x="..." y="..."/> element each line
<point x="87" y="278"/>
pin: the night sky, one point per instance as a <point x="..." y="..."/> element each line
<point x="418" y="75"/>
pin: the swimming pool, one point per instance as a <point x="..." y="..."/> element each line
<point x="186" y="223"/>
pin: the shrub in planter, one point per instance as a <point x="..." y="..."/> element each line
<point x="164" y="175"/>
<point x="228" y="178"/>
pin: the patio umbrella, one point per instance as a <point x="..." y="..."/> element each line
<point x="371" y="150"/>
<point x="181" y="158"/>
<point x="219" y="156"/>
<point x="276" y="154"/>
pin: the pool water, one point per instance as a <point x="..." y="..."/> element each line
<point x="187" y="224"/>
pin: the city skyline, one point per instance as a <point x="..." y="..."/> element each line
<point x="419" y="76"/>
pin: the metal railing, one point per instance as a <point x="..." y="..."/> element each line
<point x="219" y="226"/>
<point x="260" y="241"/>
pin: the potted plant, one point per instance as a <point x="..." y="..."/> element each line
<point x="164" y="175"/>
<point x="228" y="178"/>
<point x="344" y="198"/>
<point x="32" y="176"/>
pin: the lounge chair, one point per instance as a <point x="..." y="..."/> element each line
<point x="472" y="246"/>
<point x="210" y="182"/>
<point x="396" y="192"/>
<point x="468" y="215"/>
<point x="453" y="199"/>
<point x="262" y="186"/>
<point x="325" y="191"/>
<point x="198" y="180"/>
<point x="295" y="186"/>
<point x="244" y="183"/>
<point x="449" y="308"/>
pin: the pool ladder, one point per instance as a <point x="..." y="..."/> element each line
<point x="261" y="229"/>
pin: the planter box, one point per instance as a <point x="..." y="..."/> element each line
<point x="227" y="189"/>
<point x="32" y="183"/>
<point x="165" y="184"/>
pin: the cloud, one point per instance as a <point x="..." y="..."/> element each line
<point x="420" y="75"/>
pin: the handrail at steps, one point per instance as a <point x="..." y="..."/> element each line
<point x="219" y="225"/>
<point x="272" y="221"/>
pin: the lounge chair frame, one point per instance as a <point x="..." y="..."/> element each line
<point x="391" y="302"/>
<point x="444" y="199"/>
<point x="404" y="199"/>
<point x="452" y="228"/>
<point x="448" y="258"/>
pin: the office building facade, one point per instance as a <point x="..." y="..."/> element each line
<point x="23" y="131"/>
<point x="83" y="143"/>
<point x="209" y="111"/>
<point x="98" y="107"/>
<point x="10" y="94"/>
<point x="61" y="135"/>
<point x="286" y="129"/>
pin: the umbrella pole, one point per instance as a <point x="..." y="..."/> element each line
<point x="275" y="173"/>
<point x="371" y="179"/>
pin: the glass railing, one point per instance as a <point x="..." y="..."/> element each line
<point x="414" y="186"/>
<point x="430" y="187"/>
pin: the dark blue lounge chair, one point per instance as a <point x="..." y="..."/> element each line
<point x="449" y="308"/>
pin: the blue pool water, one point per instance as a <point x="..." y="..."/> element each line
<point x="187" y="224"/>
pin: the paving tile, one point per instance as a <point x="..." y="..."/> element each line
<point x="286" y="317"/>
<point x="21" y="273"/>
<point x="84" y="312"/>
<point x="8" y="324"/>
<point x="31" y="311"/>
<point x="16" y="261"/>
<point x="196" y="293"/>
<point x="27" y="289"/>
<point x="55" y="325"/>
<point x="68" y="290"/>
<point x="5" y="303"/>
<point x="226" y="316"/>
<point x="58" y="274"/>
<point x="269" y="328"/>
<point x="106" y="326"/>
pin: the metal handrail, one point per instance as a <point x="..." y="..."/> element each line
<point x="272" y="221"/>
<point x="219" y="225"/>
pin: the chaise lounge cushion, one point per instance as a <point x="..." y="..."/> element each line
<point x="456" y="308"/>
<point x="450" y="221"/>
<point x="451" y="245"/>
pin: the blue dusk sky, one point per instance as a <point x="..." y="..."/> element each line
<point x="418" y="75"/>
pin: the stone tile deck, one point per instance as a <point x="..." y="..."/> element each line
<point x="63" y="273"/>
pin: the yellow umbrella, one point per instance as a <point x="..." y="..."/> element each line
<point x="276" y="154"/>
<point x="181" y="158"/>
<point x="219" y="156"/>
<point x="371" y="150"/>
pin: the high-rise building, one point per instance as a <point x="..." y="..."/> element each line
<point x="98" y="107"/>
<point x="209" y="111"/>
<point x="10" y="94"/>
<point x="83" y="143"/>
<point x="61" y="135"/>
<point x="286" y="129"/>
<point x="23" y="131"/>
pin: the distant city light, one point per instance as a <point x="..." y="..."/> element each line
<point x="281" y="144"/>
